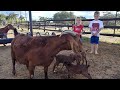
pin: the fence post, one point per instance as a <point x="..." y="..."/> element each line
<point x="28" y="25"/>
<point x="30" y="20"/>
<point x="115" y="24"/>
<point x="114" y="32"/>
<point x="68" y="27"/>
<point x="55" y="26"/>
<point x="39" y="25"/>
<point x="44" y="25"/>
<point x="74" y="21"/>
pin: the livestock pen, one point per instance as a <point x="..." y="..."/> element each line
<point x="106" y="65"/>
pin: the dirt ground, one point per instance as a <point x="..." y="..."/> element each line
<point x="106" y="65"/>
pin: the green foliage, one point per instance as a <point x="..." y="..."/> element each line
<point x="108" y="15"/>
<point x="11" y="18"/>
<point x="63" y="15"/>
<point x="2" y="17"/>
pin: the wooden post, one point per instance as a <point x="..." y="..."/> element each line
<point x="28" y="25"/>
<point x="39" y="25"/>
<point x="115" y="24"/>
<point x="44" y="25"/>
<point x="25" y="15"/>
<point x="55" y="26"/>
<point x="68" y="27"/>
<point x="74" y="21"/>
<point x="30" y="19"/>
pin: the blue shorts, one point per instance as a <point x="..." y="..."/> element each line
<point x="94" y="40"/>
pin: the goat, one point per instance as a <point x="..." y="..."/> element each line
<point x="40" y="51"/>
<point x="77" y="69"/>
<point x="60" y="58"/>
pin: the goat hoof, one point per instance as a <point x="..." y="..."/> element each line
<point x="31" y="77"/>
<point x="13" y="72"/>
<point x="68" y="77"/>
<point x="54" y="72"/>
<point x="46" y="78"/>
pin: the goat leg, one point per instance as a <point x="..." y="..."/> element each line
<point x="68" y="74"/>
<point x="86" y="62"/>
<point x="62" y="66"/>
<point x="56" y="64"/>
<point x="14" y="71"/>
<point x="77" y="61"/>
<point x="82" y="60"/>
<point x="27" y="66"/>
<point x="46" y="72"/>
<point x="31" y="71"/>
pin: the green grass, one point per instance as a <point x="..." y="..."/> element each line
<point x="85" y="39"/>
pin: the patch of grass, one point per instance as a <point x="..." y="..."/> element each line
<point x="85" y="39"/>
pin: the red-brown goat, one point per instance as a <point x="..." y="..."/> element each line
<point x="77" y="69"/>
<point x="40" y="51"/>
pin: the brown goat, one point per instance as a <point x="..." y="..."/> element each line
<point x="60" y="58"/>
<point x="77" y="69"/>
<point x="40" y="51"/>
<point x="83" y="54"/>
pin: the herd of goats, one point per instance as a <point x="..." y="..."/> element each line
<point x="40" y="50"/>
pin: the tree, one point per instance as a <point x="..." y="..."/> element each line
<point x="45" y="18"/>
<point x="63" y="15"/>
<point x="22" y="18"/>
<point x="84" y="22"/>
<point x="82" y="17"/>
<point x="42" y="18"/>
<point x="107" y="15"/>
<point x="2" y="17"/>
<point x="12" y="17"/>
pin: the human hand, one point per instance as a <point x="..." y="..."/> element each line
<point x="93" y="29"/>
<point x="95" y="34"/>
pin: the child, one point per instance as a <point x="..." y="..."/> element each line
<point x="95" y="27"/>
<point x="78" y="27"/>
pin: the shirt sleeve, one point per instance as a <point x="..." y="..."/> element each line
<point x="90" y="24"/>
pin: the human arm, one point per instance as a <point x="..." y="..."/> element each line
<point x="100" y="28"/>
<point x="91" y="28"/>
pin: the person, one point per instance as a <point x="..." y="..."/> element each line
<point x="95" y="27"/>
<point x="78" y="27"/>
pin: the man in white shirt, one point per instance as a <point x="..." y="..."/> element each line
<point x="95" y="27"/>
